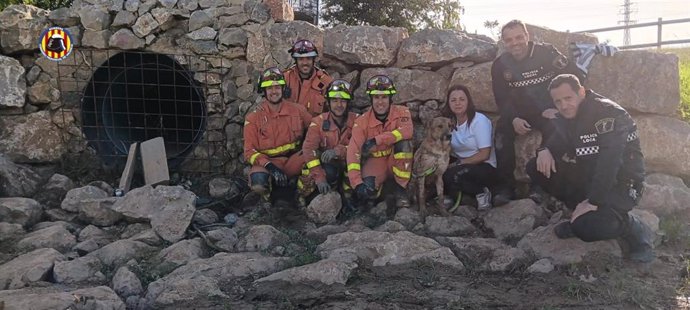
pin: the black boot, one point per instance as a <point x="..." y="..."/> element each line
<point x="563" y="230"/>
<point x="401" y="197"/>
<point x="638" y="239"/>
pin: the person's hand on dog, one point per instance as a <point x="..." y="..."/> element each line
<point x="366" y="147"/>
<point x="328" y="155"/>
<point x="549" y="113"/>
<point x="323" y="187"/>
<point x="545" y="163"/>
<point x="364" y="191"/>
<point x="521" y="126"/>
<point x="278" y="175"/>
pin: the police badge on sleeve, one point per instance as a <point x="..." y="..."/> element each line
<point x="604" y="125"/>
<point x="560" y="62"/>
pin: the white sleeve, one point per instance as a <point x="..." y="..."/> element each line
<point x="482" y="131"/>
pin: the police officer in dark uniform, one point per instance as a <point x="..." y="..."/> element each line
<point x="594" y="164"/>
<point x="520" y="77"/>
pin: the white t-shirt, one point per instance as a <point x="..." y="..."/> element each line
<point x="466" y="142"/>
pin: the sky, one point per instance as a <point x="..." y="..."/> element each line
<point x="577" y="15"/>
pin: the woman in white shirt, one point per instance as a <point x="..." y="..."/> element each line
<point x="473" y="159"/>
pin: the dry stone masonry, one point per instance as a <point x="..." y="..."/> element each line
<point x="62" y="239"/>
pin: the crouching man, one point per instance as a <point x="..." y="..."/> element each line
<point x="594" y="164"/>
<point x="273" y="135"/>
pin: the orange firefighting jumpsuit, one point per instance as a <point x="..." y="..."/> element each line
<point x="309" y="92"/>
<point x="275" y="137"/>
<point x="319" y="138"/>
<point x="385" y="157"/>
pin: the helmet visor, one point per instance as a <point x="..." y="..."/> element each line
<point x="304" y="48"/>
<point x="339" y="89"/>
<point x="380" y="85"/>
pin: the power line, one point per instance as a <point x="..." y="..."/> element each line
<point x="627" y="10"/>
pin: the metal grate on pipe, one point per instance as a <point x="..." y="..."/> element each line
<point x="117" y="98"/>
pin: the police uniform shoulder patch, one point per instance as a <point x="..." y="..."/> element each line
<point x="560" y="62"/>
<point x="605" y="125"/>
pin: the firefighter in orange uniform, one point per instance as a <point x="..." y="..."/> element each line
<point x="325" y="146"/>
<point x="306" y="84"/>
<point x="273" y="134"/>
<point x="381" y="145"/>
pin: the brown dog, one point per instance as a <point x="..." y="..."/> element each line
<point x="431" y="161"/>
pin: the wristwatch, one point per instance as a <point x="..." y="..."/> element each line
<point x="541" y="148"/>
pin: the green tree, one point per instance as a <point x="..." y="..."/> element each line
<point x="411" y="14"/>
<point x="492" y="25"/>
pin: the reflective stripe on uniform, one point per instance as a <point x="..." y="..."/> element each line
<point x="397" y="134"/>
<point x="400" y="173"/>
<point x="281" y="149"/>
<point x="313" y="163"/>
<point x="403" y="155"/>
<point x="353" y="166"/>
<point x="252" y="158"/>
<point x="382" y="153"/>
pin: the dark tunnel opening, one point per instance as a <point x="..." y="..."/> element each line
<point x="134" y="97"/>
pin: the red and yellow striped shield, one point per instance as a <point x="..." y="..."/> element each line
<point x="56" y="43"/>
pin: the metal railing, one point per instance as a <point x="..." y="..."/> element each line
<point x="659" y="23"/>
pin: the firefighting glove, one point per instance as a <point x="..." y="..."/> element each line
<point x="328" y="155"/>
<point x="364" y="191"/>
<point x="278" y="175"/>
<point x="323" y="187"/>
<point x="366" y="147"/>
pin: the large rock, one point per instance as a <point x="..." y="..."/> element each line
<point x="28" y="268"/>
<point x="94" y="18"/>
<point x="144" y="25"/>
<point x="198" y="20"/>
<point x="448" y="226"/>
<point x="325" y="273"/>
<point x="232" y="37"/>
<point x="363" y="45"/>
<point x="223" y="238"/>
<point x="64" y="17"/>
<point x="43" y="91"/>
<point x="22" y="211"/>
<point x="81" y="270"/>
<point x="543" y="243"/>
<point x="20" y="27"/>
<point x="407" y="217"/>
<point x="75" y="197"/>
<point x="121" y="251"/>
<point x="513" y="221"/>
<point x="126" y="283"/>
<point x="31" y="138"/>
<point x="658" y="92"/>
<point x="324" y="208"/>
<point x="102" y="298"/>
<point x="665" y="195"/>
<point x="181" y="253"/>
<point x="485" y="253"/>
<point x="438" y="47"/>
<point x="560" y="40"/>
<point x="12" y="82"/>
<point x="99" y="212"/>
<point x="201" y="279"/>
<point x="281" y="10"/>
<point x="10" y="231"/>
<point x="379" y="249"/>
<point x="126" y="40"/>
<point x="54" y="191"/>
<point x="169" y="208"/>
<point x="665" y="144"/>
<point x="476" y="79"/>
<point x="17" y="180"/>
<point x="262" y="237"/>
<point x="56" y="237"/>
<point x="411" y="85"/>
<point x="96" y="39"/>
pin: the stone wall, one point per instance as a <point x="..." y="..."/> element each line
<point x="225" y="43"/>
